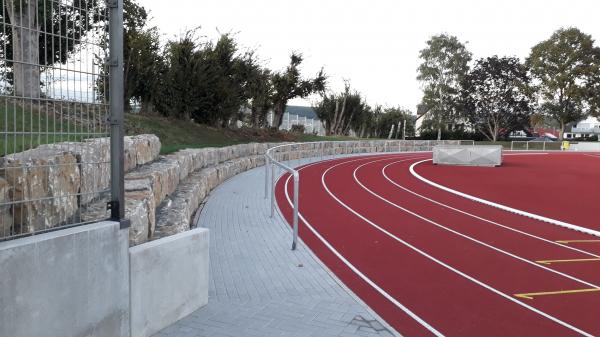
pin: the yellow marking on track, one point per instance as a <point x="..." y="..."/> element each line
<point x="531" y="296"/>
<point x="566" y="261"/>
<point x="578" y="241"/>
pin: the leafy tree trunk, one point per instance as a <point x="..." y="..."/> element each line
<point x="25" y="47"/>
<point x="278" y="111"/>
<point x="147" y="108"/>
<point x="562" y="130"/>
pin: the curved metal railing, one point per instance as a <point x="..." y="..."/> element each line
<point x="277" y="155"/>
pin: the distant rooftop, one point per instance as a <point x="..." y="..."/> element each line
<point x="302" y="111"/>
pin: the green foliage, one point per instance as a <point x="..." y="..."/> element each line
<point x="205" y="81"/>
<point x="297" y="128"/>
<point x="497" y="96"/>
<point x="343" y="111"/>
<point x="289" y="84"/>
<point x="397" y="117"/>
<point x="26" y="127"/>
<point x="566" y="68"/>
<point x="259" y="91"/>
<point x="445" y="63"/>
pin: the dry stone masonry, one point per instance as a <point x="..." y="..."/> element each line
<point x="69" y="181"/>
<point x="57" y="184"/>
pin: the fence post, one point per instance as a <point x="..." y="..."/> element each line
<point x="117" y="160"/>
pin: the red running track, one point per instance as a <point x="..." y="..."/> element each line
<point x="433" y="263"/>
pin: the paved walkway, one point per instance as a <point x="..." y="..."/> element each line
<point x="258" y="286"/>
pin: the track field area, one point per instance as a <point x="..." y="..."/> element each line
<point x="460" y="251"/>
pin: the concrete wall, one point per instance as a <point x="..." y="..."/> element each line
<point x="585" y="146"/>
<point x="169" y="280"/>
<point x="468" y="155"/>
<point x="72" y="282"/>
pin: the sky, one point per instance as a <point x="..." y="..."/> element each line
<point x="374" y="44"/>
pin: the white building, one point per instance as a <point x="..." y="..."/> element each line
<point x="300" y="115"/>
<point x="584" y="129"/>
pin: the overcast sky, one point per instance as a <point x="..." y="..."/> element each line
<point x="374" y="43"/>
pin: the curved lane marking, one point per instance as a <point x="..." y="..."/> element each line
<point x="500" y="206"/>
<point x="447" y="266"/>
<point x="557" y="243"/>
<point x="356" y="270"/>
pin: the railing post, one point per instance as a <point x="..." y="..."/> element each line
<point x="267" y="162"/>
<point x="527" y="146"/>
<point x="296" y="210"/>
<point x="544" y="146"/>
<point x="272" y="189"/>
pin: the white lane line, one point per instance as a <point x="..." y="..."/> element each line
<point x="356" y="270"/>
<point x="499" y="250"/>
<point x="525" y="154"/>
<point x="468" y="277"/>
<point x="500" y="206"/>
<point x="480" y="218"/>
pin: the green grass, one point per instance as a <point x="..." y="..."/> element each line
<point x="177" y="134"/>
<point x="24" y="127"/>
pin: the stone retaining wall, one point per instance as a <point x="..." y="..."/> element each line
<point x="162" y="192"/>
<point x="163" y="195"/>
<point x="210" y="167"/>
<point x="50" y="185"/>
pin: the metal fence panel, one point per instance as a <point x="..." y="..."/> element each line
<point x="54" y="113"/>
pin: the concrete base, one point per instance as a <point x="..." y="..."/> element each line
<point x="72" y="282"/>
<point x="169" y="280"/>
<point x="585" y="146"/>
<point x="468" y="155"/>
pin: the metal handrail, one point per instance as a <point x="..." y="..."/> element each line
<point x="271" y="162"/>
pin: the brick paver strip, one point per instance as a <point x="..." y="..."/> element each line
<point x="258" y="285"/>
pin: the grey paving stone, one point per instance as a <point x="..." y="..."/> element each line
<point x="256" y="286"/>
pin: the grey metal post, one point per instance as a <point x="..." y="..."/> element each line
<point x="544" y="146"/>
<point x="272" y="189"/>
<point x="267" y="162"/>
<point x="296" y="210"/>
<point x="117" y="162"/>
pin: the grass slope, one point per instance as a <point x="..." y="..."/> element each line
<point x="177" y="134"/>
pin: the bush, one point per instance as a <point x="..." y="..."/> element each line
<point x="297" y="128"/>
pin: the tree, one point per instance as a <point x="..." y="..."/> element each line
<point x="445" y="64"/>
<point x="259" y="91"/>
<point x="288" y="85"/>
<point x="142" y="67"/>
<point x="206" y="81"/>
<point x="182" y="78"/>
<point x="397" y="117"/>
<point x="497" y="96"/>
<point x="566" y="72"/>
<point x="343" y="112"/>
<point x="39" y="33"/>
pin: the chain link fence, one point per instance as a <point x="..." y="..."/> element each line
<point x="55" y="116"/>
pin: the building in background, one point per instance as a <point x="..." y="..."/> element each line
<point x="586" y="128"/>
<point x="300" y="115"/>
